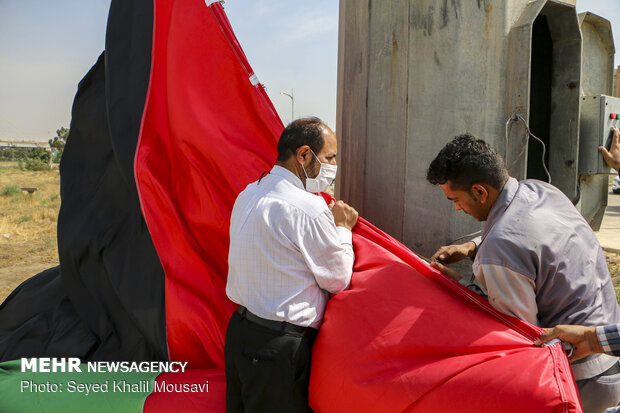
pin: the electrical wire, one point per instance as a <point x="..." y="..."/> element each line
<point x="508" y="123"/>
<point x="466" y="236"/>
<point x="517" y="117"/>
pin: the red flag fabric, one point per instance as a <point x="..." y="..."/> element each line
<point x="208" y="130"/>
<point x="195" y="391"/>
<point x="403" y="338"/>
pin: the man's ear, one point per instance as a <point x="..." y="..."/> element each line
<point x="480" y="192"/>
<point x="303" y="155"/>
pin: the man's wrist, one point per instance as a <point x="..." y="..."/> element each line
<point x="471" y="251"/>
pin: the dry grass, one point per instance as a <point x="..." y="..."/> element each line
<point x="613" y="261"/>
<point x="27" y="224"/>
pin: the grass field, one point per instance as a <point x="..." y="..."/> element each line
<point x="27" y="224"/>
<point x="28" y="227"/>
<point x="613" y="261"/>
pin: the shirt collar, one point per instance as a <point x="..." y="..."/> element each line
<point x="501" y="203"/>
<point x="287" y="175"/>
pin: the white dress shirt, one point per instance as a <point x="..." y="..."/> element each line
<point x="286" y="252"/>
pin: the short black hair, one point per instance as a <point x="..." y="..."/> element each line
<point x="304" y="131"/>
<point x="465" y="161"/>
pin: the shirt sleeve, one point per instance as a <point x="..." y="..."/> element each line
<point x="609" y="337"/>
<point x="509" y="292"/>
<point x="328" y="251"/>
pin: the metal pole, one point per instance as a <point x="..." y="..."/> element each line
<point x="292" y="96"/>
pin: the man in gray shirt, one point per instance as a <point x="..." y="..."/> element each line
<point x="537" y="258"/>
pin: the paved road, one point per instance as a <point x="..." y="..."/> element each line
<point x="609" y="234"/>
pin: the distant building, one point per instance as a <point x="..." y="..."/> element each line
<point x="617" y="82"/>
<point x="15" y="150"/>
<point x="8" y="144"/>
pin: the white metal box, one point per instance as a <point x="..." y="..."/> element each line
<point x="599" y="114"/>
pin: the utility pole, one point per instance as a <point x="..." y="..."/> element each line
<point x="292" y="96"/>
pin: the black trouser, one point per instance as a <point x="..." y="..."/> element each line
<point x="267" y="370"/>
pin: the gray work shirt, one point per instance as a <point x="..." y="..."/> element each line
<point x="540" y="261"/>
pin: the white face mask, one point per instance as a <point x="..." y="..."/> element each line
<point x="326" y="176"/>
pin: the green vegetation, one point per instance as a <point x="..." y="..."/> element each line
<point x="10" y="190"/>
<point x="58" y="143"/>
<point x="24" y="154"/>
<point x="39" y="158"/>
<point x="36" y="165"/>
<point x="23" y="219"/>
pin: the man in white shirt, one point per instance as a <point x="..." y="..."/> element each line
<point x="288" y="251"/>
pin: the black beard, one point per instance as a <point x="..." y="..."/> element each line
<point x="314" y="168"/>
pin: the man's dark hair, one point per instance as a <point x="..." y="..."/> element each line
<point x="304" y="131"/>
<point x="466" y="161"/>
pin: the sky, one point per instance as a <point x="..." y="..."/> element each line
<point x="292" y="45"/>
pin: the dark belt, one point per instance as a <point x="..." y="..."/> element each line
<point x="615" y="369"/>
<point x="280" y="326"/>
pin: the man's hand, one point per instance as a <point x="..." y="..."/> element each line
<point x="447" y="271"/>
<point x="453" y="253"/>
<point x="344" y="215"/>
<point x="612" y="156"/>
<point x="583" y="339"/>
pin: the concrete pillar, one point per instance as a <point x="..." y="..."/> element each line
<point x="412" y="74"/>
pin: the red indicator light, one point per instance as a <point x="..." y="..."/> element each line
<point x="614" y="116"/>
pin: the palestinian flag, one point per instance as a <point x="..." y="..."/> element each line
<point x="168" y="127"/>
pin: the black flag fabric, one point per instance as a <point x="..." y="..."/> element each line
<point x="106" y="300"/>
